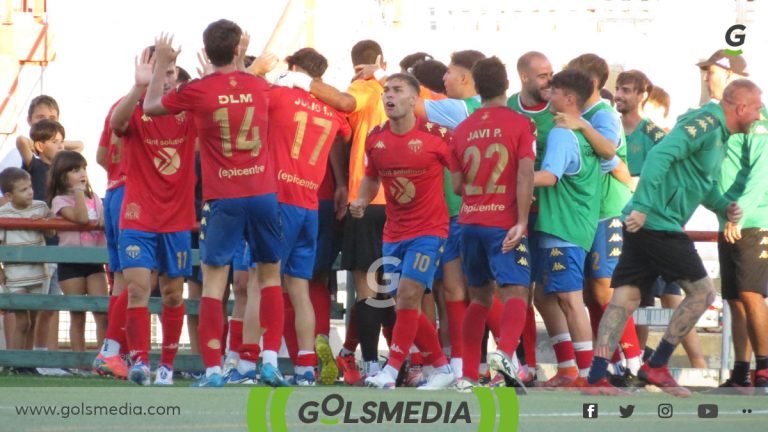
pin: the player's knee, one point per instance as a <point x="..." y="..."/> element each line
<point x="409" y="293"/>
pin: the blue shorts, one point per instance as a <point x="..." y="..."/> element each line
<point x="561" y="269"/>
<point x="168" y="253"/>
<point x="416" y="258"/>
<point x="606" y="249"/>
<point x="113" y="204"/>
<point x="329" y="237"/>
<point x="226" y="221"/>
<point x="483" y="261"/>
<point x="452" y="248"/>
<point x="299" y="241"/>
<point x="242" y="258"/>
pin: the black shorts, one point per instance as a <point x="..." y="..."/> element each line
<point x="660" y="289"/>
<point x="363" y="239"/>
<point x="71" y="271"/>
<point x="648" y="254"/>
<point x="744" y="265"/>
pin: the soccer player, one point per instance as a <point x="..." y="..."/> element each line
<point x="743" y="251"/>
<point x="229" y="108"/>
<point x="492" y="168"/>
<point x="110" y="156"/>
<point x="689" y="160"/>
<point x="569" y="179"/>
<point x="301" y="132"/>
<point x="535" y="72"/>
<point x="156" y="218"/>
<point x="362" y="239"/>
<point x="408" y="156"/>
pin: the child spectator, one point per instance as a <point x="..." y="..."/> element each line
<point x="71" y="197"/>
<point x="21" y="278"/>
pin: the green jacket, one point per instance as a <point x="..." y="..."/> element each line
<point x="683" y="170"/>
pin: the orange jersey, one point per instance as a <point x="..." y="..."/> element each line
<point x="369" y="113"/>
<point x="428" y="94"/>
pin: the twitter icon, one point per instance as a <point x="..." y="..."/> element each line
<point x="626" y="412"/>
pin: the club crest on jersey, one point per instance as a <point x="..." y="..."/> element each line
<point x="233" y="82"/>
<point x="181" y="117"/>
<point x="132" y="211"/>
<point x="415" y="145"/>
<point x="615" y="252"/>
<point x="133" y="251"/>
<point x="555" y="252"/>
<point x="558" y="267"/>
<point x="485" y="116"/>
<point x="403" y="190"/>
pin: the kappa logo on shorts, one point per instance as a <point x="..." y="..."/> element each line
<point x="615" y="252"/>
<point x="521" y="248"/>
<point x="203" y="221"/>
<point x="764" y="255"/>
<point x="615" y="224"/>
<point x="764" y="241"/>
<point x="133" y="251"/>
<point x="523" y="262"/>
<point x="615" y="238"/>
<point x="555" y="252"/>
<point x="558" y="267"/>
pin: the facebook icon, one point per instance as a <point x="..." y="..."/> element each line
<point x="590" y="411"/>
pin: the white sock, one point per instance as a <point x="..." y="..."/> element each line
<point x="345" y="352"/>
<point x="447" y="351"/>
<point x="427" y="370"/>
<point x="245" y="366"/>
<point x="483" y="369"/>
<point x="269" y="356"/>
<point x="40" y="349"/>
<point x="301" y="353"/>
<point x="457" y="364"/>
<point x="110" y="348"/>
<point x="446" y="368"/>
<point x="232" y="356"/>
<point x="633" y="364"/>
<point x="392" y="372"/>
<point x="372" y="368"/>
<point x="212" y="370"/>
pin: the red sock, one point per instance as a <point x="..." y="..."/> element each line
<point x="235" y="335"/>
<point x="583" y="354"/>
<point x="455" y="311"/>
<point x="350" y="339"/>
<point x="172" y="321"/>
<point x="494" y="318"/>
<point x="564" y="352"/>
<point x="209" y="330"/>
<point x="428" y="343"/>
<point x="387" y="332"/>
<point x="472" y="334"/>
<point x="529" y="338"/>
<point x="321" y="303"/>
<point x="137" y="332"/>
<point x="250" y="352"/>
<point x="117" y="317"/>
<point x="272" y="314"/>
<point x="629" y="342"/>
<point x="225" y="327"/>
<point x="308" y="360"/>
<point x="289" y="328"/>
<point x="403" y="335"/>
<point x="417" y="359"/>
<point x="595" y="315"/>
<point x="512" y="323"/>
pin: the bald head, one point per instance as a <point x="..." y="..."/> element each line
<point x="535" y="73"/>
<point x="741" y="104"/>
<point x="525" y="61"/>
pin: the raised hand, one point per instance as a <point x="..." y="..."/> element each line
<point x="144" y="64"/>
<point x="242" y="49"/>
<point x="264" y="64"/>
<point x="164" y="51"/>
<point x="206" y="68"/>
<point x="367" y="71"/>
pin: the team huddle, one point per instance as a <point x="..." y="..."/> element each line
<point x="472" y="198"/>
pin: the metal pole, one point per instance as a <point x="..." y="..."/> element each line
<point x="725" y="343"/>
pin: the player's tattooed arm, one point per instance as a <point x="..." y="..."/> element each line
<point x="611" y="327"/>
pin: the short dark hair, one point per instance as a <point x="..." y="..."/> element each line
<point x="660" y="97"/>
<point x="408" y="78"/>
<point x="221" y="39"/>
<point x="42" y="100"/>
<point x="10" y="176"/>
<point x="310" y="60"/>
<point x="592" y="64"/>
<point x="411" y="59"/>
<point x="365" y="52"/>
<point x="430" y="74"/>
<point x="490" y="76"/>
<point x="182" y="75"/>
<point x="574" y="81"/>
<point x="466" y="58"/>
<point x="45" y="130"/>
<point x="637" y="79"/>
